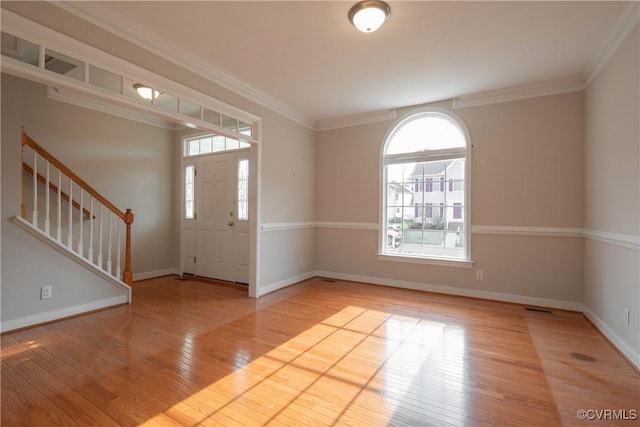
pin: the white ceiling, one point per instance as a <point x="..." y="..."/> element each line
<point x="307" y="56"/>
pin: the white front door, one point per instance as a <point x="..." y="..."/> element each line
<point x="221" y="237"/>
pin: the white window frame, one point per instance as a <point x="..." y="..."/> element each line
<point x="242" y="145"/>
<point x="184" y="191"/>
<point x="382" y="255"/>
<point x="243" y="214"/>
<point x="190" y="161"/>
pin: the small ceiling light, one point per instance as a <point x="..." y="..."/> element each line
<point x="369" y="15"/>
<point x="146" y="91"/>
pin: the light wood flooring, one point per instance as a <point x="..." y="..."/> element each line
<point x="317" y="353"/>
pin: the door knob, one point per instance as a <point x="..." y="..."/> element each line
<point x="230" y="223"/>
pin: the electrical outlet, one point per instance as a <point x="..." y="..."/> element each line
<point x="46" y="292"/>
<point x="626" y="316"/>
<point x="480" y="275"/>
<point x="301" y="261"/>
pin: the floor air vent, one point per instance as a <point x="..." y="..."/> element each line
<point x="328" y="280"/>
<point x="538" y="310"/>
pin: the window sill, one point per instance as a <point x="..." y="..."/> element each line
<point x="443" y="262"/>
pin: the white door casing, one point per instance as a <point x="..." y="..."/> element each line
<point x="216" y="241"/>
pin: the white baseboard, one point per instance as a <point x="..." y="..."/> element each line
<point x="632" y="354"/>
<point x="450" y="290"/>
<point x="35" y="319"/>
<point x="156" y="273"/>
<point x="272" y="287"/>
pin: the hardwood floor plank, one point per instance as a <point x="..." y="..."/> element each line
<point x="37" y="405"/>
<point x="318" y="353"/>
<point x="13" y="408"/>
<point x="52" y="382"/>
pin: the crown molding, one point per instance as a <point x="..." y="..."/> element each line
<point x="49" y="38"/>
<point x="356" y="120"/>
<point x="105" y="18"/>
<point x="516" y="93"/>
<point x="624" y="23"/>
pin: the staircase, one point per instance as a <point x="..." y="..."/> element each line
<point x="63" y="209"/>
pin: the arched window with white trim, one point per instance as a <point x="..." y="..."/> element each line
<point x="425" y="188"/>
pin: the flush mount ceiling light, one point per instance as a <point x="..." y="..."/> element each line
<point x="146" y="91"/>
<point x="369" y="15"/>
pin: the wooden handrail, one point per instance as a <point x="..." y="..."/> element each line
<point x="54" y="188"/>
<point x="26" y="140"/>
<point x="126" y="216"/>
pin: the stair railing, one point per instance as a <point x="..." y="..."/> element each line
<point x="94" y="216"/>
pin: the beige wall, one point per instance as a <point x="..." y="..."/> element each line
<point x="130" y="163"/>
<point x="611" y="179"/>
<point x="526" y="171"/>
<point x="286" y="256"/>
<point x="347" y="173"/>
<point x="568" y="160"/>
<point x="527" y="165"/>
<point x="612" y="188"/>
<point x="287" y="154"/>
<point x="287" y="188"/>
<point x="28" y="263"/>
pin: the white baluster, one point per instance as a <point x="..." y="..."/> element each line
<point x="100" y="239"/>
<point x="59" y="231"/>
<point x="80" y="242"/>
<point x="34" y="217"/>
<point x="118" y="270"/>
<point x="47" y="218"/>
<point x="109" y="246"/>
<point x="70" y="236"/>
<point x="90" y="254"/>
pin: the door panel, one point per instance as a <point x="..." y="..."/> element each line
<point x="204" y="218"/>
<point x="222" y="202"/>
<point x="215" y="205"/>
<point x="190" y="247"/>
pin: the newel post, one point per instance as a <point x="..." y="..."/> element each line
<point x="128" y="273"/>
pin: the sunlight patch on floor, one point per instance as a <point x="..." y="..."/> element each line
<point x="357" y="365"/>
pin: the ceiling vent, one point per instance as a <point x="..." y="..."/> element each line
<point x="57" y="65"/>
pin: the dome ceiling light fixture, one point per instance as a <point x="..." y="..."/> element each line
<point x="367" y="16"/>
<point x="146" y="91"/>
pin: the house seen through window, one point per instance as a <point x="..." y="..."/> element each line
<point x="425" y="188"/>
